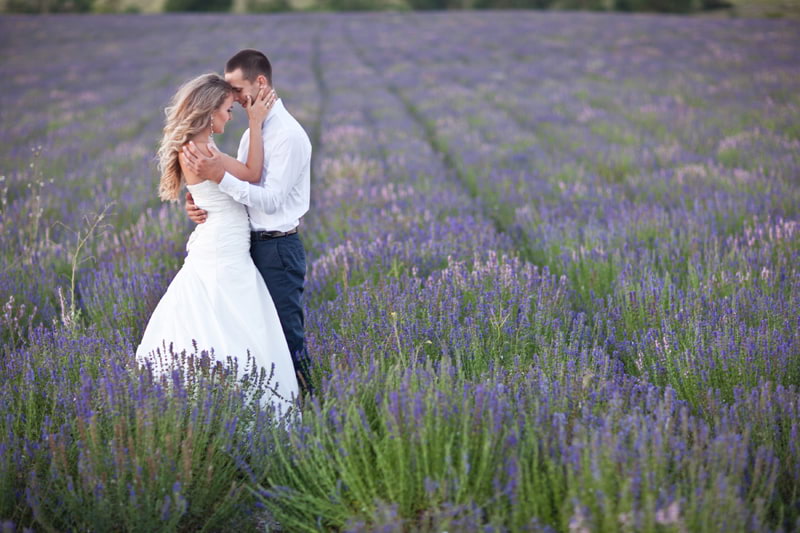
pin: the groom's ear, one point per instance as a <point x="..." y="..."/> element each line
<point x="262" y="81"/>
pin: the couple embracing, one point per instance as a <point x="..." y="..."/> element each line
<point x="240" y="288"/>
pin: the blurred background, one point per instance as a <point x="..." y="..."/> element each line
<point x="723" y="8"/>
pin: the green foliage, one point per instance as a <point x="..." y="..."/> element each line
<point x="592" y="278"/>
<point x="353" y="5"/>
<point x="198" y="5"/>
<point x="48" y="6"/>
<point x="367" y="460"/>
<point x="432" y="4"/>
<point x="592" y="5"/>
<point x="268" y="6"/>
<point x="660" y="6"/>
<point x="416" y="447"/>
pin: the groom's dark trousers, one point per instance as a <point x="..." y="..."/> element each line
<point x="282" y="263"/>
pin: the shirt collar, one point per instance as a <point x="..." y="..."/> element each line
<point x="277" y="107"/>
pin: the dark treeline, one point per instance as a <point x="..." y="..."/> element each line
<point x="255" y="6"/>
<point x="658" y="6"/>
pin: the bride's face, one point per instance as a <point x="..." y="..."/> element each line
<point x="222" y="115"/>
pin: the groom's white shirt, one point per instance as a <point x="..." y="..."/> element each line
<point x="282" y="196"/>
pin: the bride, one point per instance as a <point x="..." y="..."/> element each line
<point x="217" y="299"/>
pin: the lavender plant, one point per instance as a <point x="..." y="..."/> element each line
<point x="552" y="278"/>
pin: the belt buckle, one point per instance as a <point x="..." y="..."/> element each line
<point x="273" y="234"/>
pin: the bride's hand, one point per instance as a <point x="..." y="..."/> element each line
<point x="258" y="110"/>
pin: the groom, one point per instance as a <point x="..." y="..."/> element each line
<point x="275" y="204"/>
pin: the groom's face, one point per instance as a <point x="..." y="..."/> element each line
<point x="244" y="88"/>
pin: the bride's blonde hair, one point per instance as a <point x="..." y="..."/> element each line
<point x="188" y="114"/>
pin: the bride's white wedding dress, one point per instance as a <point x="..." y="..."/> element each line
<point x="219" y="299"/>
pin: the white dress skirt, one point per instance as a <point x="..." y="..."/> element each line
<point x="219" y="300"/>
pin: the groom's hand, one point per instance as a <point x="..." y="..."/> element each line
<point x="197" y="215"/>
<point x="206" y="167"/>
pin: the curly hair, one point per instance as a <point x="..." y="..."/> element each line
<point x="188" y="114"/>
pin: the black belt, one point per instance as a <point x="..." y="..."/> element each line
<point x="265" y="235"/>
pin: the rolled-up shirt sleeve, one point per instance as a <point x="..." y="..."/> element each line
<point x="285" y="165"/>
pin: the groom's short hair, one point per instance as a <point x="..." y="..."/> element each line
<point x="252" y="63"/>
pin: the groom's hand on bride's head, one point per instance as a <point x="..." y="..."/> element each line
<point x="206" y="167"/>
<point x="197" y="215"/>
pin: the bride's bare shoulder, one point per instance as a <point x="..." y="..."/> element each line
<point x="202" y="146"/>
<point x="190" y="177"/>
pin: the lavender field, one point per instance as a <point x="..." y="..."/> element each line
<point x="553" y="278"/>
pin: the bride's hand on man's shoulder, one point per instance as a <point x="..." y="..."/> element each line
<point x="258" y="109"/>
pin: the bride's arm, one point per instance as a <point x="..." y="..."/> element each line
<point x="246" y="172"/>
<point x="251" y="171"/>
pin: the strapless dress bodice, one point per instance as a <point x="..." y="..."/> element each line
<point x="226" y="231"/>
